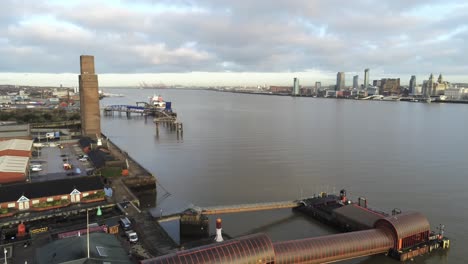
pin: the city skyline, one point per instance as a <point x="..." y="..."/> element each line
<point x="209" y="42"/>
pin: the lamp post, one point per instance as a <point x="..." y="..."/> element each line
<point x="87" y="230"/>
<point x="5" y="251"/>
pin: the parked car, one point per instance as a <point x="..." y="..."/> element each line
<point x="36" y="169"/>
<point x="125" y="223"/>
<point x="67" y="166"/>
<point x="132" y="236"/>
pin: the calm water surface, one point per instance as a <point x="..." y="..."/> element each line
<point x="241" y="148"/>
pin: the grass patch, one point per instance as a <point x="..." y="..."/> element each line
<point x="99" y="194"/>
<point x="50" y="204"/>
<point x="111" y="171"/>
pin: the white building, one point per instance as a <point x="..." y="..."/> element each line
<point x="456" y="93"/>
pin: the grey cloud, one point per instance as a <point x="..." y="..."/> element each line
<point x="221" y="35"/>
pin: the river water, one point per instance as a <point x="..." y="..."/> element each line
<point x="240" y="148"/>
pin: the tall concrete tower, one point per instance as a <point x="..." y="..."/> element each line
<point x="340" y="81"/>
<point x="366" y="79"/>
<point x="89" y="98"/>
<point x="296" y="87"/>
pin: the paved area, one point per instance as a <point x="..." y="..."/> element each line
<point x="153" y="239"/>
<point x="52" y="159"/>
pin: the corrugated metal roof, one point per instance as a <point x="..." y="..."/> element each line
<point x="16" y="144"/>
<point x="256" y="248"/>
<point x="13" y="164"/>
<point x="406" y="224"/>
<point x="332" y="248"/>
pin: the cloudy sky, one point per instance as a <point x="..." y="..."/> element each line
<point x="238" y="42"/>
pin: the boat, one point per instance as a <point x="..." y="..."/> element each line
<point x="157" y="102"/>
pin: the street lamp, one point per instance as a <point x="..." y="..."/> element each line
<point x="5" y="251"/>
<point x="87" y="230"/>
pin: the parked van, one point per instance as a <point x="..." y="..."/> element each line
<point x="125" y="223"/>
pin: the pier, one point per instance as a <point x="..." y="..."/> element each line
<point x="229" y="209"/>
<point x="402" y="235"/>
<point x="140" y="109"/>
<point x="170" y="121"/>
<point x="215" y="210"/>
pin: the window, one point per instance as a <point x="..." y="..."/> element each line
<point x="11" y="205"/>
<point x="50" y="199"/>
<point x="35" y="201"/>
<point x="65" y="197"/>
<point x="85" y="194"/>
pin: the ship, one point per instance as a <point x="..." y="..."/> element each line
<point x="157" y="102"/>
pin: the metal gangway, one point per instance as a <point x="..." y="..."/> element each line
<point x="228" y="209"/>
<point x="128" y="109"/>
<point x="240" y="208"/>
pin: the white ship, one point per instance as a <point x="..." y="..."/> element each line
<point x="158" y="102"/>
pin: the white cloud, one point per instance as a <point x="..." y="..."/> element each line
<point x="182" y="36"/>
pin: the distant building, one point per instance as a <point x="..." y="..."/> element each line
<point x="372" y="90"/>
<point x="390" y="87"/>
<point x="15" y="131"/>
<point x="412" y="84"/>
<point x="456" y="93"/>
<point x="432" y="88"/>
<point x="5" y="99"/>
<point x="318" y="87"/>
<point x="356" y="82"/>
<point x="281" y="89"/>
<point x="340" y="81"/>
<point x="366" y="79"/>
<point x="377" y="83"/>
<point x="296" y="90"/>
<point x="330" y="93"/>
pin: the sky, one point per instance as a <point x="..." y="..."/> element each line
<point x="239" y="42"/>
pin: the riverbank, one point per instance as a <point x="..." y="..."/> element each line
<point x="136" y="194"/>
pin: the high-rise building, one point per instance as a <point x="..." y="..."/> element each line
<point x="412" y="84"/>
<point x="89" y="98"/>
<point x="390" y="86"/>
<point x="340" y="81"/>
<point x="318" y="86"/>
<point x="366" y="79"/>
<point x="296" y="87"/>
<point x="356" y="82"/>
<point x="432" y="88"/>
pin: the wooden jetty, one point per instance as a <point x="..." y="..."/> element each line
<point x="170" y="121"/>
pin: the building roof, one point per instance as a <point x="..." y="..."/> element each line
<point x="34" y="190"/>
<point x="406" y="224"/>
<point x="359" y="214"/>
<point x="13" y="164"/>
<point x="103" y="248"/>
<point x="16" y="144"/>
